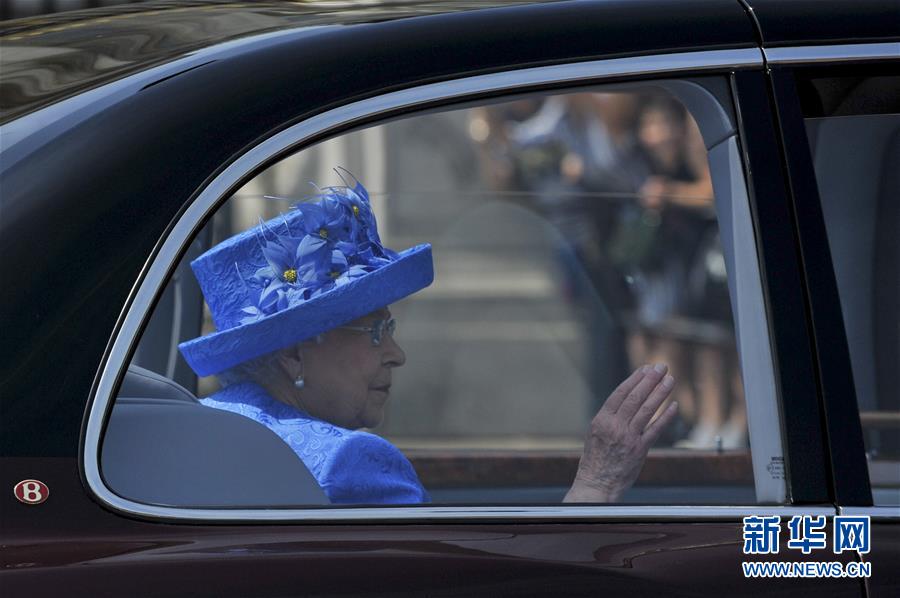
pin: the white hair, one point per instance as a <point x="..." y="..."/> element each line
<point x="251" y="370"/>
<point x="264" y="367"/>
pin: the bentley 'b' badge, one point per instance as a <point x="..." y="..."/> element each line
<point x="31" y="492"/>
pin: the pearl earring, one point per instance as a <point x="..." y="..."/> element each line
<point x="300" y="380"/>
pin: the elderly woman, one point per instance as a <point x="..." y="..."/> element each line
<point x="305" y="346"/>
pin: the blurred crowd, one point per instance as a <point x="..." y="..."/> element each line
<point x="624" y="178"/>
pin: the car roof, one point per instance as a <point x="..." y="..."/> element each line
<point x="51" y="57"/>
<point x="55" y="56"/>
<point x="814" y="22"/>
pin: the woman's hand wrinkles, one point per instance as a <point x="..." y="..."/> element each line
<point x="621" y="434"/>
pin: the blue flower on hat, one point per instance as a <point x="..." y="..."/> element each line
<point x="335" y="240"/>
<point x="335" y="270"/>
<point x="276" y="280"/>
<point x="363" y="223"/>
<point x="326" y="222"/>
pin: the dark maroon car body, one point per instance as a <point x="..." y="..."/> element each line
<point x="100" y="177"/>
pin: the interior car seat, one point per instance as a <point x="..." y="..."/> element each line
<point x="165" y="448"/>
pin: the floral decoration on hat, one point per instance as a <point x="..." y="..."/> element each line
<point x="333" y="241"/>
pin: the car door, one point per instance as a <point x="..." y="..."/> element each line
<point x="494" y="526"/>
<point x="481" y="530"/>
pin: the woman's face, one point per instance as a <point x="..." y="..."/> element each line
<point x="347" y="379"/>
<point x="659" y="128"/>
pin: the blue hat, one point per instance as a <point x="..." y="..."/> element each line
<point x="317" y="267"/>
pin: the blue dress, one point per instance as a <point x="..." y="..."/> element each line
<point x="352" y="467"/>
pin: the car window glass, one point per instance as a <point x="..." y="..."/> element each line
<point x="575" y="238"/>
<point x="853" y="126"/>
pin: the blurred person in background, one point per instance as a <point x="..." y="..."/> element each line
<point x="670" y="245"/>
<point x="578" y="155"/>
<point x="624" y="178"/>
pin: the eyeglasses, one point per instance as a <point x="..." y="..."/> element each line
<point x="376" y="330"/>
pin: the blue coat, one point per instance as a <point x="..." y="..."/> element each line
<point x="352" y="467"/>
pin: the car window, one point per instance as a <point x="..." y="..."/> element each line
<point x="573" y="238"/>
<point x="853" y="127"/>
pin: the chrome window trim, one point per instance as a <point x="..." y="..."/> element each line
<point x="838" y="53"/>
<point x="153" y="278"/>
<point x="464" y="513"/>
<point x="877" y="512"/>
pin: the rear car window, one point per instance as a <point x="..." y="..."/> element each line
<point x="853" y="127"/>
<point x="575" y="237"/>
